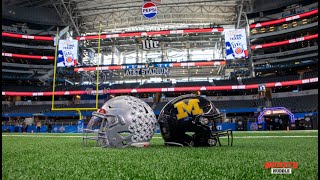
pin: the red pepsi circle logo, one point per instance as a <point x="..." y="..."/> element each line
<point x="149" y="10"/>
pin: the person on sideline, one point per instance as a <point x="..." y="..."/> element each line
<point x="38" y="126"/>
<point x="49" y="127"/>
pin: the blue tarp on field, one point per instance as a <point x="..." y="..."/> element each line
<point x="43" y="129"/>
<point x="74" y="128"/>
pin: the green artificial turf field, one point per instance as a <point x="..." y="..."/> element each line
<point x="62" y="156"/>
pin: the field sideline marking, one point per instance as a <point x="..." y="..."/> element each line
<point x="235" y="132"/>
<point x="21" y="135"/>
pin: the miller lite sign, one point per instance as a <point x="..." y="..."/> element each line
<point x="67" y="53"/>
<point x="236" y="44"/>
<point x="149" y="44"/>
<point x="149" y="10"/>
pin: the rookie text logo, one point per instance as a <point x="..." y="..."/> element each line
<point x="281" y="167"/>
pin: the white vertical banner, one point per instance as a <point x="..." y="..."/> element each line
<point x="236" y="44"/>
<point x="67" y="53"/>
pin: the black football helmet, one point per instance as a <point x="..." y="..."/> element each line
<point x="190" y="120"/>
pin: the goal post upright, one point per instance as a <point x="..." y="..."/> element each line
<point x="55" y="68"/>
<point x="53" y="108"/>
<point x="98" y="63"/>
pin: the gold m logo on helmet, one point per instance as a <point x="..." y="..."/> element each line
<point x="191" y="108"/>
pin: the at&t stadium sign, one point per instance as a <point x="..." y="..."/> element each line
<point x="147" y="71"/>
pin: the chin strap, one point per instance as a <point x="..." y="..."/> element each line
<point x="173" y="144"/>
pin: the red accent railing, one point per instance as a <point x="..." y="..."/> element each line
<point x="25" y="56"/>
<point x="151" y="33"/>
<point x="24" y="36"/>
<point x="173" y="89"/>
<point x="278" y="21"/>
<point x="280" y="43"/>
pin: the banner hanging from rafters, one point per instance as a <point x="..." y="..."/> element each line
<point x="67" y="53"/>
<point x="236" y="44"/>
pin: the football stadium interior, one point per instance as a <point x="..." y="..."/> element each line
<point x="255" y="60"/>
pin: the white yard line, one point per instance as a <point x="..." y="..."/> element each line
<point x="240" y="137"/>
<point x="21" y="135"/>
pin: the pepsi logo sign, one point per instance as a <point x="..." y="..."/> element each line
<point x="149" y="10"/>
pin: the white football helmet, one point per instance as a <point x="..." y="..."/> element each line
<point x="121" y="122"/>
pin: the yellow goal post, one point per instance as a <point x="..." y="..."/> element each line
<point x="53" y="108"/>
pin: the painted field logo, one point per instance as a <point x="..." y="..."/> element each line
<point x="149" y="10"/>
<point x="281" y="167"/>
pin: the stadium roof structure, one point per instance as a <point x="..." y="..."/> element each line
<point x="125" y="15"/>
<point x="86" y="15"/>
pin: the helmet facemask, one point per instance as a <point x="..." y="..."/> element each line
<point x="210" y="121"/>
<point x="109" y="133"/>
